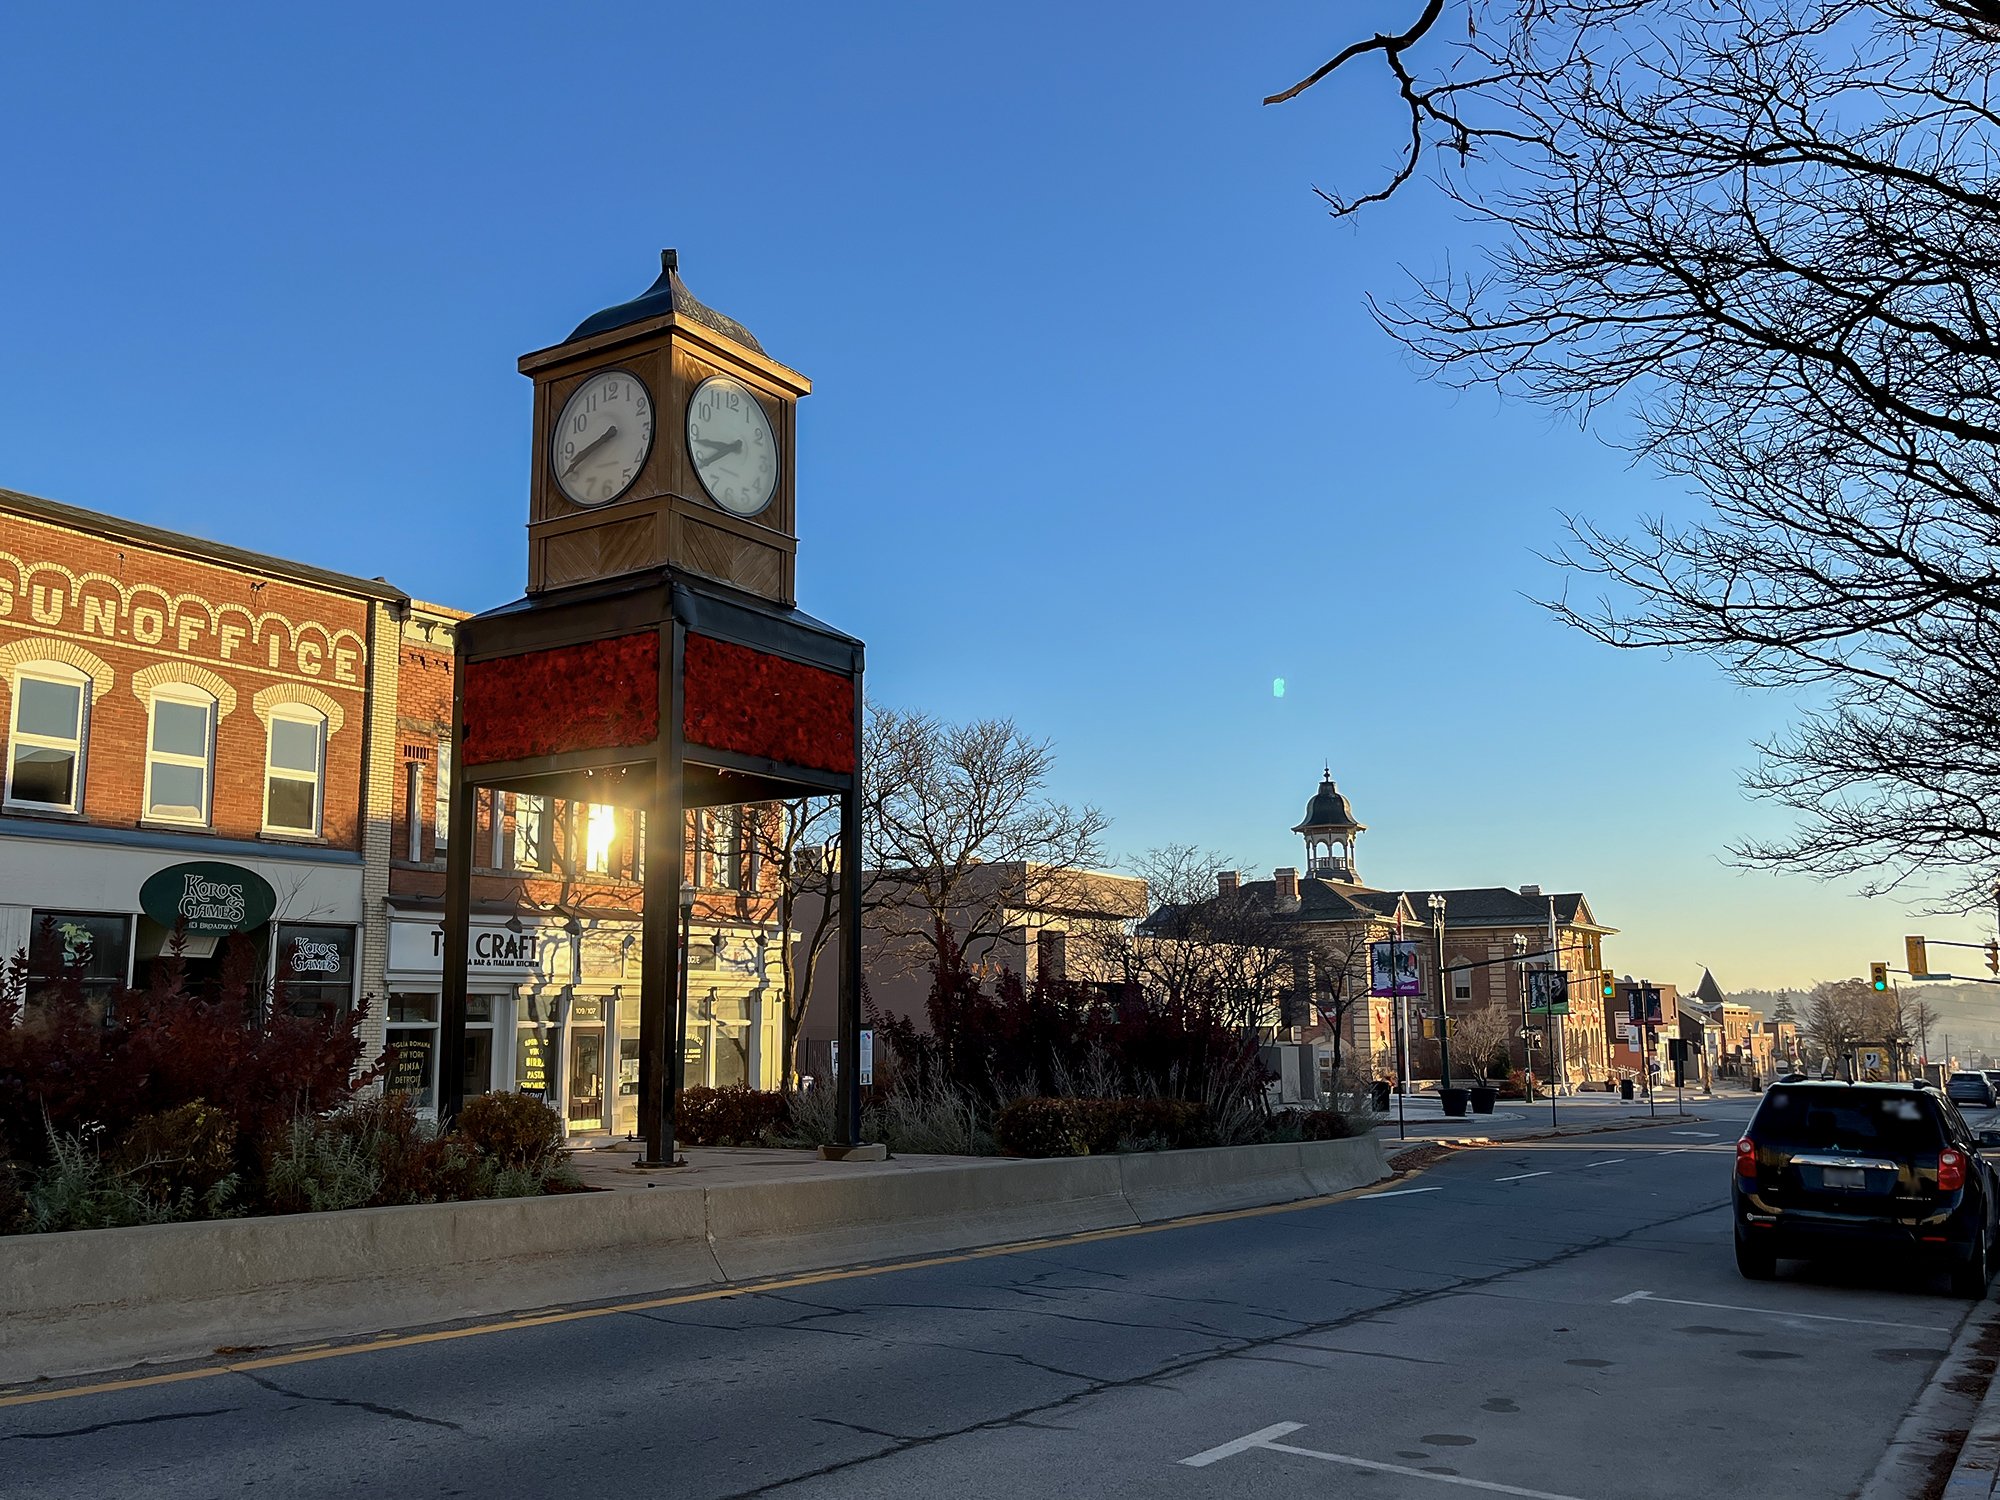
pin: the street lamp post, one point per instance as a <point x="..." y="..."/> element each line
<point x="1444" y="1006"/>
<point x="1521" y="983"/>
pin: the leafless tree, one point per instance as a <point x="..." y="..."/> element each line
<point x="1758" y="242"/>
<point x="791" y="840"/>
<point x="1225" y="956"/>
<point x="944" y="804"/>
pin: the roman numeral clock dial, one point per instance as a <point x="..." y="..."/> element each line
<point x="734" y="450"/>
<point x="602" y="438"/>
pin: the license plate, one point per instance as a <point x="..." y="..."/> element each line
<point x="1852" y="1178"/>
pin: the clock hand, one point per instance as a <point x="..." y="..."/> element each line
<point x="716" y="450"/>
<point x="605" y="436"/>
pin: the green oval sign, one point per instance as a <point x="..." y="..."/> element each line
<point x="208" y="896"/>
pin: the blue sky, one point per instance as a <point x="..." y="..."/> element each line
<point x="1102" y="438"/>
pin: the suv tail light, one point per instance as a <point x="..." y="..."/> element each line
<point x="1951" y="1171"/>
<point x="1746" y="1159"/>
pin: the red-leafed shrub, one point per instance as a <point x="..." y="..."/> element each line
<point x="510" y="1130"/>
<point x="758" y="704"/>
<point x="734" y="1116"/>
<point x="63" y="1067"/>
<point x="597" y="695"/>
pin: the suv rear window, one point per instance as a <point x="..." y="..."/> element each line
<point x="1820" y="1119"/>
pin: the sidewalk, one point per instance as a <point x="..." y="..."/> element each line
<point x="1513" y="1119"/>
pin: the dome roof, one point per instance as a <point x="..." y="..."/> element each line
<point x="1328" y="809"/>
<point x="667" y="295"/>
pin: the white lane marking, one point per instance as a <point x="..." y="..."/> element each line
<point x="1524" y="1176"/>
<point x="1266" y="1438"/>
<point x="1608" y="1161"/>
<point x="1709" y="1133"/>
<point x="1397" y="1193"/>
<point x="1256" y="1439"/>
<point x="1771" y="1312"/>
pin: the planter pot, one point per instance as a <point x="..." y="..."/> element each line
<point x="1380" y="1090"/>
<point x="1454" y="1101"/>
<point x="1482" y="1100"/>
<point x="1625" y="1089"/>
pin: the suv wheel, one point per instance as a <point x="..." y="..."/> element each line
<point x="1758" y="1263"/>
<point x="1970" y="1276"/>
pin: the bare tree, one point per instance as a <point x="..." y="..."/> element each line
<point x="960" y="829"/>
<point x="1757" y="241"/>
<point x="1479" y="1035"/>
<point x="792" y="841"/>
<point x="1221" y="955"/>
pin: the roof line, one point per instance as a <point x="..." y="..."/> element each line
<point x="119" y="528"/>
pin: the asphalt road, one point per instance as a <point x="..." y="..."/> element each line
<point x="1558" y="1319"/>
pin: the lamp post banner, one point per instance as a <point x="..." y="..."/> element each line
<point x="1392" y="970"/>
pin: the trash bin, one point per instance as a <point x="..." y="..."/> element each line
<point x="1624" y="1088"/>
<point x="1380" y="1090"/>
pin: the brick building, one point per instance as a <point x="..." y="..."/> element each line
<point x="554" y="1002"/>
<point x="1492" y="936"/>
<point x="190" y="738"/>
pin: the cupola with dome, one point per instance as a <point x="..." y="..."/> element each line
<point x="1329" y="828"/>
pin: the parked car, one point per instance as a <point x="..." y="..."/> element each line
<point x="1848" y="1171"/>
<point x="1970" y="1088"/>
<point x="1993" y="1078"/>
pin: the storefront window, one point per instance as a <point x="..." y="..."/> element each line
<point x="537" y="1045"/>
<point x="96" y="948"/>
<point x="413" y="1033"/>
<point x="314" y="970"/>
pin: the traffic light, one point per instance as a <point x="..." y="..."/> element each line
<point x="1993" y="957"/>
<point x="1878" y="975"/>
<point x="1918" y="956"/>
<point x="1609" y="984"/>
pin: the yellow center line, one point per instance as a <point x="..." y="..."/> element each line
<point x="312" y="1353"/>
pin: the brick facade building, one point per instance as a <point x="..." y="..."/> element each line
<point x="189" y="736"/>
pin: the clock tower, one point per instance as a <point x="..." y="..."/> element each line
<point x="664" y="435"/>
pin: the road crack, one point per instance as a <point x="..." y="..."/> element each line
<point x="70" y="1432"/>
<point x="1235" y="1348"/>
<point x="373" y="1408"/>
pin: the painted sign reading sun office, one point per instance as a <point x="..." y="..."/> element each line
<point x="51" y="598"/>
<point x="208" y="896"/>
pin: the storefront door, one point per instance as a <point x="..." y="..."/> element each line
<point x="585" y="1095"/>
<point x="625" y="1096"/>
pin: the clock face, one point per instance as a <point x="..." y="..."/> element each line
<point x="734" y="450"/>
<point x="601" y="440"/>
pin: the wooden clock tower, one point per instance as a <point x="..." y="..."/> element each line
<point x="664" y="436"/>
<point x="659" y="661"/>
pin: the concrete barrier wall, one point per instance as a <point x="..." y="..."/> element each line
<point x="108" y="1298"/>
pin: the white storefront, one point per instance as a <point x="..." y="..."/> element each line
<point x="552" y="1009"/>
<point x="80" y="889"/>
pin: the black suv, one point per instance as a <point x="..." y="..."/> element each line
<point x="1851" y="1171"/>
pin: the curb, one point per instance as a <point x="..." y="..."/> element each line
<point x="104" y="1299"/>
<point x="1954" y="1420"/>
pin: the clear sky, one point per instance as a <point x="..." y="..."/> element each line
<point x="1102" y="436"/>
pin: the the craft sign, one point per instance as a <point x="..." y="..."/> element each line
<point x="87" y="606"/>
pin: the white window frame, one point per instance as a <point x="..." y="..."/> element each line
<point x="441" y="820"/>
<point x="67" y="676"/>
<point x="193" y="697"/>
<point x="413" y="809"/>
<point x="541" y="809"/>
<point x="293" y="713"/>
